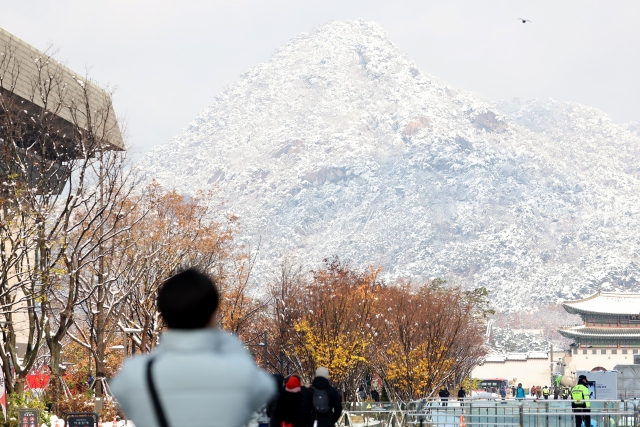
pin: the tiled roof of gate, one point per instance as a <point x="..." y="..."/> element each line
<point x="615" y="303"/>
<point x="591" y="331"/>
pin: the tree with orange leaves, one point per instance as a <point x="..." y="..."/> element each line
<point x="164" y="232"/>
<point x="425" y="335"/>
<point x="416" y="337"/>
<point x="176" y="232"/>
<point x="334" y="327"/>
<point x="239" y="311"/>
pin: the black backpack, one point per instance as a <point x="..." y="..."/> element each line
<point x="321" y="401"/>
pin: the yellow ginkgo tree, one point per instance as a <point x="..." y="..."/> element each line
<point x="341" y="354"/>
<point x="334" y="329"/>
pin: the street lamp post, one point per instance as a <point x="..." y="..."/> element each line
<point x="264" y="345"/>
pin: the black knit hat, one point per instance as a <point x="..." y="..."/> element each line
<point x="582" y="377"/>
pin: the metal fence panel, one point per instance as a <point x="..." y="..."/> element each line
<point x="487" y="413"/>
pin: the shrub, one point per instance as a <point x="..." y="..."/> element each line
<point x="30" y="400"/>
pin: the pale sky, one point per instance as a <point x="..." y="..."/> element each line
<point x="168" y="59"/>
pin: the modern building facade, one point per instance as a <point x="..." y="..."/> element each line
<point x="46" y="109"/>
<point x="49" y="115"/>
<point x="532" y="368"/>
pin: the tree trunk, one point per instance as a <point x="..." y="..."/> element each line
<point x="18" y="386"/>
<point x="55" y="382"/>
<point x="100" y="364"/>
<point x="144" y="342"/>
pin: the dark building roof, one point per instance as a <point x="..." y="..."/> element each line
<point x="21" y="66"/>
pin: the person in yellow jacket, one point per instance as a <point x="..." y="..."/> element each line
<point x="580" y="404"/>
<point x="545" y="393"/>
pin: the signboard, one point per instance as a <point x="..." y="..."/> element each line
<point x="3" y="394"/>
<point x="591" y="385"/>
<point x="38" y="380"/>
<point x="557" y="378"/>
<point x="605" y="384"/>
<point x="28" y="417"/>
<point x="82" y="419"/>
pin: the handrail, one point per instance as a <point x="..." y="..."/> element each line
<point x="492" y="413"/>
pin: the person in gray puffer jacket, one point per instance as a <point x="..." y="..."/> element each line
<point x="202" y="376"/>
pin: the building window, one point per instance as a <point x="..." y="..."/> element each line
<point x="635" y="351"/>
<point x="575" y="351"/>
<point x="594" y="351"/>
<point x="603" y="351"/>
<point x="624" y="351"/>
<point x="584" y="351"/>
<point x="614" y="351"/>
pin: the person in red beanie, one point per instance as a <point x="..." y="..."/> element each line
<point x="289" y="407"/>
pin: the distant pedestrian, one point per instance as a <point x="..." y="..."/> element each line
<point x="375" y="395"/>
<point x="503" y="393"/>
<point x="546" y="392"/>
<point x="444" y="395"/>
<point x="565" y="393"/>
<point x="533" y="391"/>
<point x="323" y="402"/>
<point x="556" y="393"/>
<point x="461" y="393"/>
<point x="538" y="392"/>
<point x="520" y="392"/>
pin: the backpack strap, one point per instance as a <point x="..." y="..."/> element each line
<point x="160" y="415"/>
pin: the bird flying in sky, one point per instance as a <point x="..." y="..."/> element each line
<point x="524" y="21"/>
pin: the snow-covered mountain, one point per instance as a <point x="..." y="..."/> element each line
<point x="340" y="145"/>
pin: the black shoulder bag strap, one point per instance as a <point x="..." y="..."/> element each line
<point x="162" y="419"/>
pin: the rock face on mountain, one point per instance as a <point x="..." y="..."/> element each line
<point x="340" y="145"/>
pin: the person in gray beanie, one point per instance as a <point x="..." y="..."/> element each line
<point x="322" y="402"/>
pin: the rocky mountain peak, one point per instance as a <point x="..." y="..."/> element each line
<point x="340" y="145"/>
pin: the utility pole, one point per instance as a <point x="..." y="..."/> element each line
<point x="264" y="346"/>
<point x="128" y="332"/>
<point x="264" y="354"/>
<point x="551" y="364"/>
